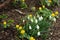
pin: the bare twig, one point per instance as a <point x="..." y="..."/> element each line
<point x="19" y="11"/>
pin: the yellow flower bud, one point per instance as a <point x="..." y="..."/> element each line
<point x="23" y="0"/>
<point x="17" y="26"/>
<point x="43" y="6"/>
<point x="32" y="38"/>
<point x="53" y="15"/>
<point x="56" y="12"/>
<point x="40" y="8"/>
<point x="22" y="31"/>
<point x="49" y="1"/>
<point x="30" y="15"/>
<point x="20" y="27"/>
<point x="4" y="22"/>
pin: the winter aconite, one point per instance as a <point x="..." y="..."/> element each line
<point x="17" y="26"/>
<point x="4" y="22"/>
<point x="53" y="15"/>
<point x="22" y="31"/>
<point x="20" y="27"/>
<point x="32" y="38"/>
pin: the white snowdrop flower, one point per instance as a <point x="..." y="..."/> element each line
<point x="31" y="20"/>
<point x="23" y="21"/>
<point x="34" y="17"/>
<point x="40" y="18"/>
<point x="38" y="33"/>
<point x="28" y="17"/>
<point x="51" y="33"/>
<point x="37" y="26"/>
<point x="54" y="19"/>
<point x="30" y="27"/>
<point x="50" y="17"/>
<point x="36" y="21"/>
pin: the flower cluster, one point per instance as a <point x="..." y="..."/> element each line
<point x="20" y="28"/>
<point x="48" y="13"/>
<point x="7" y="23"/>
<point x="40" y="22"/>
<point x="49" y="2"/>
<point x="35" y="25"/>
<point x="53" y="16"/>
<point x="22" y="32"/>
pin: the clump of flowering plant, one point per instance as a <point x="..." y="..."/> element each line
<point x="38" y="24"/>
<point x="7" y="24"/>
<point x="35" y="25"/>
<point x="49" y="2"/>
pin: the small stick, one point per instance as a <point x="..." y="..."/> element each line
<point x="19" y="11"/>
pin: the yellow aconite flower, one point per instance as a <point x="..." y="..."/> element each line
<point x="20" y="27"/>
<point x="23" y="0"/>
<point x="30" y="15"/>
<point x="43" y="6"/>
<point x="49" y="1"/>
<point x="40" y="8"/>
<point x="56" y="12"/>
<point x="32" y="38"/>
<point x="4" y="22"/>
<point x="17" y="26"/>
<point x="22" y="31"/>
<point x="53" y="14"/>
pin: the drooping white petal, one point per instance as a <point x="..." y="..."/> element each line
<point x="54" y="19"/>
<point x="28" y="17"/>
<point x="31" y="20"/>
<point x="37" y="26"/>
<point x="34" y="17"/>
<point x="30" y="27"/>
<point x="38" y="33"/>
<point x="50" y="17"/>
<point x="23" y="21"/>
<point x="36" y="21"/>
<point x="40" y="18"/>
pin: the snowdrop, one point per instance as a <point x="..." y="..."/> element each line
<point x="31" y="20"/>
<point x="30" y="27"/>
<point x="38" y="33"/>
<point x="23" y="21"/>
<point x="50" y="17"/>
<point x="34" y="17"/>
<point x="40" y="18"/>
<point x="28" y="17"/>
<point x="37" y="26"/>
<point x="36" y="21"/>
<point x="54" y="19"/>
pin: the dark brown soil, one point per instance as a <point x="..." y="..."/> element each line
<point x="8" y="34"/>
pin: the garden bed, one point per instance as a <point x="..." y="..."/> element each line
<point x="10" y="13"/>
